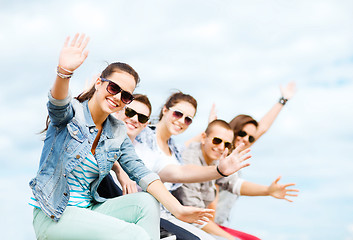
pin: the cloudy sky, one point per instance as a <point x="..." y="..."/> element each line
<point x="235" y="54"/>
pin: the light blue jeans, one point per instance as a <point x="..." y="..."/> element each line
<point x="132" y="216"/>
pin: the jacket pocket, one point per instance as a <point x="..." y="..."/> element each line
<point x="76" y="136"/>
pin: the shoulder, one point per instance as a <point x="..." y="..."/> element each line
<point x="191" y="154"/>
<point x="147" y="136"/>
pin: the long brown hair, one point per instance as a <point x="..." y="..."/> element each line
<point x="240" y="121"/>
<point x="177" y="97"/>
<point x="111" y="68"/>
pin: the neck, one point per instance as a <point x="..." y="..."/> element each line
<point x="207" y="159"/>
<point x="97" y="114"/>
<point x="132" y="137"/>
<point x="162" y="133"/>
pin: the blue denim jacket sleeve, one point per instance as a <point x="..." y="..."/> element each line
<point x="60" y="111"/>
<point x="134" y="166"/>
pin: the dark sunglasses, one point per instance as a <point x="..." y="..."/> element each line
<point x="178" y="114"/>
<point x="114" y="89"/>
<point x="243" y="134"/>
<point x="129" y="112"/>
<point x="217" y="141"/>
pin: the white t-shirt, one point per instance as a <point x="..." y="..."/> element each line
<point x="156" y="161"/>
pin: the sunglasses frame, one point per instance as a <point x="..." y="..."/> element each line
<point x="242" y="133"/>
<point x="139" y="115"/>
<point x="123" y="92"/>
<point x="217" y="139"/>
<point x="176" y="114"/>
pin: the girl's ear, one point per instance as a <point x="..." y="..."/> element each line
<point x="97" y="83"/>
<point x="165" y="110"/>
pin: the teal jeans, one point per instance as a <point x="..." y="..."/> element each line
<point x="132" y="216"/>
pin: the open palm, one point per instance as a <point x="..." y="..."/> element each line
<point x="73" y="54"/>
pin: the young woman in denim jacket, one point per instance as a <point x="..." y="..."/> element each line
<point x="82" y="143"/>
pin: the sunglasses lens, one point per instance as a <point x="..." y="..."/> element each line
<point x="177" y="114"/>
<point x="188" y="120"/>
<point x="113" y="88"/>
<point x="142" y="118"/>
<point x="216" y="140"/>
<point x="251" y="139"/>
<point x="129" y="112"/>
<point x="242" y="134"/>
<point x="228" y="145"/>
<point x="126" y="97"/>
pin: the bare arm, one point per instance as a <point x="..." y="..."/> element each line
<point x="72" y="55"/>
<point x="185" y="213"/>
<point x="267" y="120"/>
<point x="212" y="228"/>
<point x="275" y="190"/>
<point x="126" y="183"/>
<point x="194" y="173"/>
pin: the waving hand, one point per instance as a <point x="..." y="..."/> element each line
<point x="73" y="54"/>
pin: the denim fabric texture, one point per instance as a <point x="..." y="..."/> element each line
<point x="68" y="140"/>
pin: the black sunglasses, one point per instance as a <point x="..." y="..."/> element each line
<point x="129" y="112"/>
<point x="114" y="89"/>
<point x="217" y="141"/>
<point x="178" y="114"/>
<point x="243" y="134"/>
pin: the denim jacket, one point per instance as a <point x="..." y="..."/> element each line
<point x="69" y="139"/>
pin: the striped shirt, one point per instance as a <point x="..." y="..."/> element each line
<point x="79" y="181"/>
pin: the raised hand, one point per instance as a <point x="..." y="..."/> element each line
<point x="280" y="191"/>
<point x="73" y="54"/>
<point x="288" y="91"/>
<point x="194" y="215"/>
<point x="213" y="113"/>
<point x="234" y="162"/>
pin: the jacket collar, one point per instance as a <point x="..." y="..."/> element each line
<point x="112" y="127"/>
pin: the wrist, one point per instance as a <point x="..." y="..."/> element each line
<point x="283" y="100"/>
<point x="63" y="73"/>
<point x="220" y="173"/>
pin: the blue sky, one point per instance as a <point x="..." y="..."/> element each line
<point x="233" y="53"/>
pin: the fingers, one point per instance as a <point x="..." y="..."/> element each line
<point x="73" y="42"/>
<point x="80" y="40"/>
<point x="289" y="184"/>
<point x="225" y="153"/>
<point x="209" y="214"/>
<point x="292" y="190"/>
<point x="277" y="179"/>
<point x="240" y="147"/>
<point x="288" y="199"/>
<point x="200" y="222"/>
<point x="244" y="165"/>
<point x="242" y="159"/>
<point x="66" y="43"/>
<point x="84" y="44"/>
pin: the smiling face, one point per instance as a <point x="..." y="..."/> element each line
<point x="250" y="129"/>
<point x="176" y="125"/>
<point x="133" y="126"/>
<point x="211" y="151"/>
<point x="107" y="102"/>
